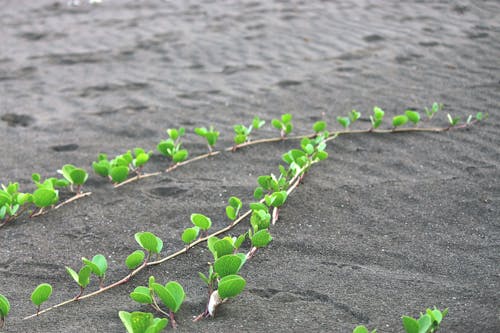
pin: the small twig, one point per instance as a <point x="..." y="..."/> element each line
<point x="139" y="176"/>
<point x="73" y="198"/>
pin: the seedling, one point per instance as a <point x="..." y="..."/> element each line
<point x="46" y="195"/>
<point x="11" y="201"/>
<point x="427" y="323"/>
<point x="142" y="322"/>
<point x="118" y="169"/>
<point x="172" y="296"/>
<point x="284" y="125"/>
<point x="453" y="120"/>
<point x="319" y="126"/>
<point x="99" y="266"/>
<point x="172" y="147"/>
<point x="234" y="207"/>
<point x="4" y="309"/>
<point x="40" y="295"/>
<point x="82" y="278"/>
<point x="259" y="239"/>
<point x="377" y="117"/>
<point x="75" y="176"/>
<point x="433" y="110"/>
<point x="210" y="135"/>
<point x="189" y="235"/>
<point x="149" y="242"/>
<point x="362" y="329"/>
<point x="242" y="133"/>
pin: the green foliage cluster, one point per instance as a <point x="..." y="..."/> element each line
<point x="242" y="133"/>
<point x="172" y="147"/>
<point x="428" y="322"/>
<point x="284" y="125"/>
<point x="118" y="169"/>
<point x="13" y="202"/>
<point x="210" y="135"/>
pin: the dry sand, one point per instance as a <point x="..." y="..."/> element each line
<point x="388" y="225"/>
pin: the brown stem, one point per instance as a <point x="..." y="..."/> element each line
<point x="73" y="198"/>
<point x="172" y="320"/>
<point x="135" y="178"/>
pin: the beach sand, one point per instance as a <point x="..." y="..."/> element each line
<point x="388" y="225"/>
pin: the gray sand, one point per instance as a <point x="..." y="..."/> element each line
<point x="388" y="225"/>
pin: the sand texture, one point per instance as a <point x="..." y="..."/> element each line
<point x="388" y="225"/>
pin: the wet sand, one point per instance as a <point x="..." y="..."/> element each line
<point x="388" y="225"/>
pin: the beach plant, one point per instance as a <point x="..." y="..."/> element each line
<point x="82" y="278"/>
<point x="453" y="120"/>
<point x="210" y="136"/>
<point x="75" y="177"/>
<point x="4" y="309"/>
<point x="172" y="147"/>
<point x="435" y="108"/>
<point x="377" y="117"/>
<point x="99" y="266"/>
<point x="135" y="259"/>
<point x="40" y="295"/>
<point x="362" y="329"/>
<point x="142" y="322"/>
<point x="233" y="209"/>
<point x="12" y="202"/>
<point x="284" y="125"/>
<point x="242" y="132"/>
<point x="428" y="322"/>
<point x="345" y="122"/>
<point x="46" y="194"/>
<point x="118" y="169"/>
<point x="201" y="221"/>
<point x="413" y="116"/>
<point x="399" y="120"/>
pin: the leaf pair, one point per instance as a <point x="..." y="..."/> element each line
<point x="142" y="322"/>
<point x="433" y="110"/>
<point x="98" y="266"/>
<point x="4" y="309"/>
<point x="233" y="209"/>
<point x="41" y="294"/>
<point x="172" y="147"/>
<point x="209" y="134"/>
<point x="345" y="122"/>
<point x="427" y="323"/>
<point x="284" y="125"/>
<point x="149" y="242"/>
<point x="377" y="117"/>
<point x="74" y="175"/>
<point x="261" y="238"/>
<point x="242" y="133"/>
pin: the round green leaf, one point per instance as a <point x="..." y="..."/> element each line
<point x="119" y="173"/>
<point x="180" y="156"/>
<point x="227" y="265"/>
<point x="141" y="159"/>
<point x="201" y="221"/>
<point x="399" y="120"/>
<point x="135" y="259"/>
<point x="141" y="295"/>
<point x="222" y="247"/>
<point x="410" y="324"/>
<point x="101" y="168"/>
<point x="78" y="176"/>
<point x="261" y="238"/>
<point x="231" y="286"/>
<point x="240" y="138"/>
<point x="41" y="293"/>
<point x="344" y="121"/>
<point x="231" y="212"/>
<point x="44" y="197"/>
<point x="286" y="118"/>
<point x="319" y="126"/>
<point x="4" y="306"/>
<point x="99" y="265"/>
<point x="190" y="234"/>
<point x="413" y="116"/>
<point x="360" y="329"/>
<point x="148" y="241"/>
<point x="175" y="289"/>
<point x="276" y="124"/>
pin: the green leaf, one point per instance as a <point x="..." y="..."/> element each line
<point x="141" y="322"/>
<point x="239" y="241"/>
<point x="119" y="173"/>
<point x="413" y="116"/>
<point x="453" y="121"/>
<point x="258" y="193"/>
<point x="180" y="156"/>
<point x="276" y="199"/>
<point x="360" y="329"/>
<point x="424" y="323"/>
<point x="141" y="159"/>
<point x="172" y="295"/>
<point x="201" y="131"/>
<point x="227" y="265"/>
<point x="212" y="138"/>
<point x="410" y="324"/>
<point x="36" y="177"/>
<point x="135" y="259"/>
<point x="344" y="121"/>
<point x="101" y="168"/>
<point x="190" y="234"/>
<point x="79" y="176"/>
<point x="84" y="276"/>
<point x="240" y="138"/>
<point x="166" y="147"/>
<point x="231" y="213"/>
<point x="319" y="126"/>
<point x="231" y="286"/>
<point x="149" y="241"/>
<point x="201" y="221"/>
<point x="322" y="155"/>
<point x="254" y="206"/>
<point x="99" y="265"/>
<point x="378" y="113"/>
<point x="72" y="273"/>
<point x="141" y="295"/>
<point x="173" y="133"/>
<point x="44" y="197"/>
<point x="354" y="115"/>
<point x="399" y="120"/>
<point x="286" y="118"/>
<point x="41" y="294"/>
<point x="4" y="306"/>
<point x="288" y="128"/>
<point x="223" y="247"/>
<point x="277" y="124"/>
<point x="261" y="238"/>
<point x="479" y="116"/>
<point x="257" y="123"/>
